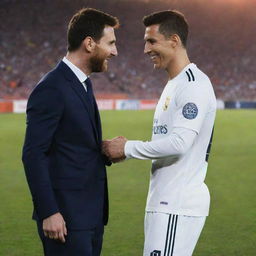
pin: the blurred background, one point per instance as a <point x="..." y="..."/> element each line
<point x="221" y="42"/>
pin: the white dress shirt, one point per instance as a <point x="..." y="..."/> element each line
<point x="77" y="71"/>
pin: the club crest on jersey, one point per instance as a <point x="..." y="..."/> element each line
<point x="190" y="111"/>
<point x="167" y="102"/>
<point x="155" y="253"/>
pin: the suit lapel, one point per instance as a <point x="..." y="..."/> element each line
<point x="98" y="121"/>
<point x="81" y="93"/>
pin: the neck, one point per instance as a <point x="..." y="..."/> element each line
<point x="79" y="60"/>
<point x="176" y="65"/>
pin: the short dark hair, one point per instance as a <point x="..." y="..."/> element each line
<point x="170" y="22"/>
<point x="88" y="22"/>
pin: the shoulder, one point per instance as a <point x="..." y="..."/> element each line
<point x="51" y="82"/>
<point x="194" y="82"/>
<point x="48" y="90"/>
<point x="193" y="77"/>
<point x="194" y="86"/>
<point x="54" y="78"/>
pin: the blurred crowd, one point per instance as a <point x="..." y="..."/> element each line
<point x="221" y="42"/>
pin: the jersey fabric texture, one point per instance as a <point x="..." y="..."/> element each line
<point x="188" y="107"/>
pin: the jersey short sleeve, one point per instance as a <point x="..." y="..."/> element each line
<point x="192" y="104"/>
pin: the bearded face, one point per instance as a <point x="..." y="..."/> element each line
<point x="104" y="50"/>
<point x="99" y="62"/>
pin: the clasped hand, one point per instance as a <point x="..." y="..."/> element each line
<point x="114" y="149"/>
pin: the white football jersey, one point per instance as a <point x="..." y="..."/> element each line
<point x="177" y="183"/>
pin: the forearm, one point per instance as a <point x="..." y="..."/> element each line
<point x="36" y="170"/>
<point x="176" y="144"/>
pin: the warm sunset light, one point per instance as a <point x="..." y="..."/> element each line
<point x="237" y="2"/>
<point x="208" y="2"/>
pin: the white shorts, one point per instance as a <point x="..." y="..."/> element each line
<point x="170" y="234"/>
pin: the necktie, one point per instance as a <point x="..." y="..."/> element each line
<point x="89" y="91"/>
<point x="93" y="103"/>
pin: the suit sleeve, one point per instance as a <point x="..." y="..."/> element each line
<point x="44" y="111"/>
<point x="106" y="160"/>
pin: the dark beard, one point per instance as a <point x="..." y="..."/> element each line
<point x="97" y="64"/>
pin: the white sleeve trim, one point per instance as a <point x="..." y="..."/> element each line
<point x="176" y="144"/>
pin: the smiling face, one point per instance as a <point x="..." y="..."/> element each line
<point x="104" y="50"/>
<point x="158" y="47"/>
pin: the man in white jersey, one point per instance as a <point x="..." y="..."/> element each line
<point x="178" y="199"/>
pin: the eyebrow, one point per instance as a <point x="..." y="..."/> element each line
<point x="151" y="40"/>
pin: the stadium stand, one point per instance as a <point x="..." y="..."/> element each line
<point x="222" y="44"/>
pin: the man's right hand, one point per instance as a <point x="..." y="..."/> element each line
<point x="54" y="227"/>
<point x="114" y="149"/>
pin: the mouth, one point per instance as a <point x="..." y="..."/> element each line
<point x="108" y="58"/>
<point x="154" y="57"/>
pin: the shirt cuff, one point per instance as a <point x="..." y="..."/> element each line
<point x="129" y="145"/>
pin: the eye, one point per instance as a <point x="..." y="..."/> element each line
<point x="112" y="43"/>
<point x="151" y="41"/>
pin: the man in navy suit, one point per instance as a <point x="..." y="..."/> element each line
<point x="62" y="156"/>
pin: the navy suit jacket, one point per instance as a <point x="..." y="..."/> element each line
<point x="62" y="157"/>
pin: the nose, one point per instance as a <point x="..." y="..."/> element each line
<point x="146" y="48"/>
<point x="114" y="51"/>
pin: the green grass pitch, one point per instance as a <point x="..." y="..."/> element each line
<point x="229" y="231"/>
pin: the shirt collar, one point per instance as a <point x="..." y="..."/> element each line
<point x="77" y="71"/>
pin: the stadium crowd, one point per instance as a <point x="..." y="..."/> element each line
<point x="221" y="43"/>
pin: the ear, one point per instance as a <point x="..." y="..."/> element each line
<point x="89" y="44"/>
<point x="175" y="40"/>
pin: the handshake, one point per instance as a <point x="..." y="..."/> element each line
<point x="114" y="149"/>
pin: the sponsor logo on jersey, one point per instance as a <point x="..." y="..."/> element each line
<point x="165" y="203"/>
<point x="160" y="129"/>
<point x="167" y="102"/>
<point x="190" y="111"/>
<point x="155" y="253"/>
